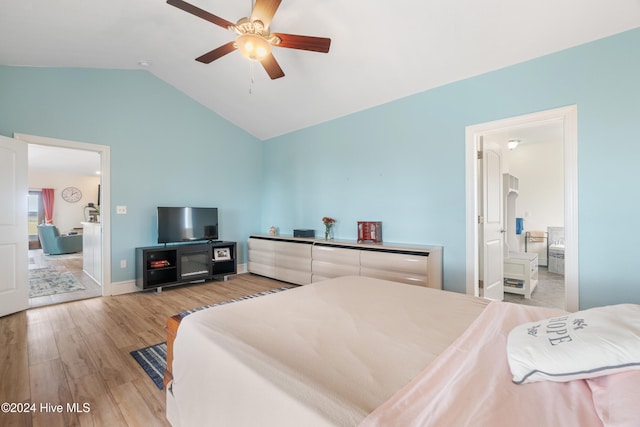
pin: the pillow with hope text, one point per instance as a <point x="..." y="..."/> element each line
<point x="585" y="344"/>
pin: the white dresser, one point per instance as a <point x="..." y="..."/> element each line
<point x="283" y="259"/>
<point x="521" y="273"/>
<point x="331" y="261"/>
<point x="306" y="260"/>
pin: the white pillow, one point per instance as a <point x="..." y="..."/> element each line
<point x="584" y="344"/>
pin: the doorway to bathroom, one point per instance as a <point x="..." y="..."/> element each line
<point x="566" y="121"/>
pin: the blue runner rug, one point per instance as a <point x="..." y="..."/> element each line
<point x="153" y="359"/>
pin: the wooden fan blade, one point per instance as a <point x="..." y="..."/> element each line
<point x="264" y="10"/>
<point x="201" y="13"/>
<point x="216" y="53"/>
<point x="293" y="41"/>
<point x="272" y="67"/>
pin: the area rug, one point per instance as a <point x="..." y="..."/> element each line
<point x="50" y="281"/>
<point x="153" y="359"/>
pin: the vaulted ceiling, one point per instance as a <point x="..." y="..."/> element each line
<point x="380" y="51"/>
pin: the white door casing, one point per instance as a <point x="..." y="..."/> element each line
<point x="491" y="222"/>
<point x="105" y="202"/>
<point x="569" y="117"/>
<point x="14" y="290"/>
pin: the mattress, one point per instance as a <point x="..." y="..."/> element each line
<point x="325" y="354"/>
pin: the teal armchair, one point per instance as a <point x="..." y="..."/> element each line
<point x="55" y="244"/>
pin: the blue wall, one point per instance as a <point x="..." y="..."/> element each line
<point x="166" y="149"/>
<point x="401" y="163"/>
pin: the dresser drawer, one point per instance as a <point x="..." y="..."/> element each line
<point x="403" y="262"/>
<point x="334" y="255"/>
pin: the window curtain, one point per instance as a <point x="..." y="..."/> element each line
<point x="47" y="201"/>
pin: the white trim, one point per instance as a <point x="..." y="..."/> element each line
<point x="569" y="117"/>
<point x="119" y="288"/>
<point x="105" y="188"/>
<point x="471" y="191"/>
<point x="571" y="262"/>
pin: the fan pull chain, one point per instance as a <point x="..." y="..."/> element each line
<point x="251" y="75"/>
<point x="250" y="62"/>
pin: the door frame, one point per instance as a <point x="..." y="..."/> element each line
<point x="105" y="188"/>
<point x="569" y="116"/>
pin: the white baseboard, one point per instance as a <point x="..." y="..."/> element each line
<point x="119" y="288"/>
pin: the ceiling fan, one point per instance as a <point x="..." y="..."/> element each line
<point x="254" y="39"/>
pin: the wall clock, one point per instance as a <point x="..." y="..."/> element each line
<point x="71" y="194"/>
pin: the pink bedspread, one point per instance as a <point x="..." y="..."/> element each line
<point x="470" y="384"/>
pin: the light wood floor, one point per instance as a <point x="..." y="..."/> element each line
<point x="78" y="352"/>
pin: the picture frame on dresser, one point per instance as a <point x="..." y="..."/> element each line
<point x="221" y="254"/>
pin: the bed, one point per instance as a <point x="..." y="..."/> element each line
<point x="357" y="351"/>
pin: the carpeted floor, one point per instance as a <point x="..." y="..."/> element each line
<point x="153" y="359"/>
<point x="50" y="281"/>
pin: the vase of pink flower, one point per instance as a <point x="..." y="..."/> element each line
<point x="328" y="227"/>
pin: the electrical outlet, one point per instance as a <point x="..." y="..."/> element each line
<point x="121" y="210"/>
<point x="123" y="263"/>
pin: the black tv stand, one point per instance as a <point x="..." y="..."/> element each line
<point x="171" y="265"/>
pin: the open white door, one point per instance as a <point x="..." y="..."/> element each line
<point x="14" y="292"/>
<point x="491" y="223"/>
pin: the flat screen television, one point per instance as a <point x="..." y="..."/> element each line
<point x="186" y="224"/>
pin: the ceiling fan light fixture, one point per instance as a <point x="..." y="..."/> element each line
<point x="253" y="46"/>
